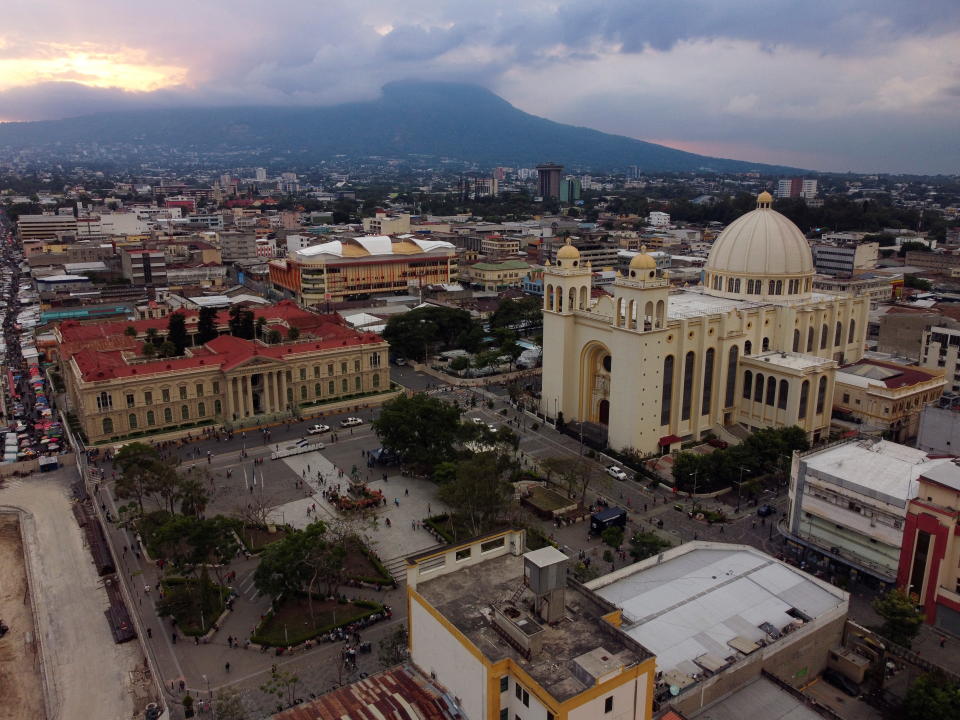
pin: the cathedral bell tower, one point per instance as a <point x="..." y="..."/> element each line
<point x="640" y="298"/>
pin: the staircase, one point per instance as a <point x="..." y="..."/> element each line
<point x="397" y="567"/>
<point x="733" y="434"/>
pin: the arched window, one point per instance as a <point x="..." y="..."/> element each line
<point x="202" y="409"/>
<point x="796" y="341"/>
<point x="151" y="418"/>
<point x="810" y="340"/>
<point x="747" y="347"/>
<point x="184" y="413"/>
<point x="167" y="415"/>
<point x="823" y="336"/>
<point x="736" y="285"/>
<point x="804" y="395"/>
<point x="731" y="375"/>
<point x="747" y="384"/>
<point x="838" y="335"/>
<point x="779" y="287"/>
<point x="666" y="398"/>
<point x="850" y="334"/>
<point x="107" y="426"/>
<point x="132" y="421"/>
<point x="784" y="394"/>
<point x="217" y="407"/>
<point x="821" y="394"/>
<point x="758" y="389"/>
<point x="687" y="398"/>
<point x="707" y="381"/>
<point x="765" y="344"/>
<point x="749" y="287"/>
<point x="771" y="390"/>
<point x="771" y="287"/>
<point x="548" y="297"/>
<point x="729" y="284"/>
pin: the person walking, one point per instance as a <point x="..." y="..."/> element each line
<point x="227" y="668"/>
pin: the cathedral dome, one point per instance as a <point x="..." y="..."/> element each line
<point x="568" y="252"/>
<point x="643" y="262"/>
<point x="761" y="254"/>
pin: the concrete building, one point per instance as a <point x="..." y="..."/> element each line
<point x="885" y="397"/>
<point x="930" y="559"/>
<point x="940" y="347"/>
<point x="384" y="223"/>
<point x="341" y="269"/>
<point x="496" y="245"/>
<point x="942" y="263"/>
<point x="652" y="364"/>
<point x="717" y="616"/>
<point x="115" y="391"/>
<point x="845" y="260"/>
<point x="596" y="252"/>
<point x="548" y="179"/>
<point x="494" y="277"/>
<point x="237" y="246"/>
<point x="797" y="188"/>
<point x="658" y="219"/>
<point x="569" y="190"/>
<point x="939" y="432"/>
<point x="879" y="288"/>
<point x="45" y="227"/>
<point x="848" y="505"/>
<point x="510" y="637"/>
<point x="142" y="266"/>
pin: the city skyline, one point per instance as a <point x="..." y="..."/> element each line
<point x="867" y="87"/>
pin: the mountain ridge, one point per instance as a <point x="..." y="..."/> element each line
<point x="410" y="118"/>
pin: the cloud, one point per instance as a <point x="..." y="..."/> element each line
<point x="778" y="74"/>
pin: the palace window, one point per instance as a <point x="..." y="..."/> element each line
<point x="104" y="401"/>
<point x="707" y="381"/>
<point x="184" y="412"/>
<point x="132" y="421"/>
<point x="687" y="386"/>
<point x="167" y="415"/>
<point x="666" y="398"/>
<point x="731" y="375"/>
<point x="107" y="426"/>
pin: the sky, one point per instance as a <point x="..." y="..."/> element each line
<point x="831" y="85"/>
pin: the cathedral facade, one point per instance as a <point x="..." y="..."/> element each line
<point x="754" y="345"/>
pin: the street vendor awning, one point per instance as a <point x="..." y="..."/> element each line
<point x="668" y="440"/>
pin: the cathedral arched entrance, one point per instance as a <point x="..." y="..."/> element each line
<point x="596" y="364"/>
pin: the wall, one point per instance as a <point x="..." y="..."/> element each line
<point x="629" y="702"/>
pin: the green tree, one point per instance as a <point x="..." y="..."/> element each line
<point x="412" y="334"/>
<point x="274" y="336"/>
<point x="613" y="536"/>
<point x="901" y="618"/>
<point x="177" y="332"/>
<point x="917" y="283"/>
<point x="149" y="350"/>
<point x="206" y="325"/>
<point x="246" y="324"/>
<point x="931" y="696"/>
<point x="421" y="428"/>
<point x="234" y="322"/>
<point x="138" y="464"/>
<point x="259" y="325"/>
<point x="911" y="245"/>
<point x="283" y="684"/>
<point x="644" y="545"/>
<point x="228" y="704"/>
<point x="480" y="494"/>
<point x="130" y="331"/>
<point x="393" y="648"/>
<point x="460" y="363"/>
<point x="519" y="314"/>
<point x="293" y="334"/>
<point x="167" y="349"/>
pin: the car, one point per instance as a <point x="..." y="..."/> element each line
<point x="491" y="427"/>
<point x="351" y="422"/>
<point x="616" y="472"/>
<point x="477" y="421"/>
<point x="765" y="510"/>
<point x="841" y="682"/>
<point x="318" y="429"/>
<point x="400" y="362"/>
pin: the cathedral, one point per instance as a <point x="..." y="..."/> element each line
<point x="654" y="366"/>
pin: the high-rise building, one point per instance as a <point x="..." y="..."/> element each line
<point x="260" y="174"/>
<point x="569" y="190"/>
<point x="797" y="188"/>
<point x="549" y="180"/>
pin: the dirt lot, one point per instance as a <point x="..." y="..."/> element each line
<point x="19" y="661"/>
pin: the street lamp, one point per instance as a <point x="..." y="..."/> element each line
<point x="740" y="488"/>
<point x="693" y="496"/>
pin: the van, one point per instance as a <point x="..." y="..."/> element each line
<point x="608" y="517"/>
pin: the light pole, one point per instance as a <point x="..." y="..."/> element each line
<point x="693" y="498"/>
<point x="740" y="488"/>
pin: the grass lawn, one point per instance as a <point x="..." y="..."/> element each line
<point x="194" y="611"/>
<point x="548" y="501"/>
<point x="290" y="623"/>
<point x="361" y="564"/>
<point x="257" y="538"/>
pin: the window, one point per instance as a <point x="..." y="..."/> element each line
<point x="317" y="390"/>
<point x="167" y="415"/>
<point x="303" y="373"/>
<point x="823" y="337"/>
<point x="344" y="386"/>
<point x="358" y="383"/>
<point x="504" y="684"/>
<point x="217" y="407"/>
<point x="846" y="398"/>
<point x="821" y="394"/>
<point x="216" y="388"/>
<point x="747" y="384"/>
<point x="148" y="398"/>
<point x="838" y="335"/>
<point x="104" y="401"/>
<point x="199" y="389"/>
<point x="771" y="390"/>
<point x="518" y="690"/>
<point x="784" y="394"/>
<point x="356" y="365"/>
<point x="201" y="409"/>
<point x="376" y="381"/>
<point x="687" y="386"/>
<point x="343" y="367"/>
<point x="666" y="397"/>
<point x="747" y="347"/>
<point x="731" y="376"/>
<point x="608" y="704"/>
<point x="151" y="418"/>
<point x="505" y="714"/>
<point x="165" y="394"/>
<point x="810" y="339"/>
<point x="316" y="371"/>
<point x="796" y="341"/>
<point x="853" y="325"/>
<point x="707" y="381"/>
<point x="184" y="413"/>
<point x="183" y="392"/>
<point x="526" y="699"/>
<point x="765" y="345"/>
<point x="131" y="401"/>
<point x="132" y="421"/>
<point x="303" y="392"/>
<point x="375" y="360"/>
<point x="107" y="426"/>
<point x="330" y="388"/>
<point x="549" y="715"/>
<point x="330" y="369"/>
<point x="758" y="389"/>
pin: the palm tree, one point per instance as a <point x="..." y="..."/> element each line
<point x="261" y="323"/>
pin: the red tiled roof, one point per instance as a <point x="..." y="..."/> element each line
<point x="906" y="374"/>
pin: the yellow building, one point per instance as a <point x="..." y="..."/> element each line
<point x="343" y="269"/>
<point x="496" y="276"/>
<point x="754" y="345"/>
<point x="117" y="393"/>
<point x="493" y="624"/>
<point x="886" y="397"/>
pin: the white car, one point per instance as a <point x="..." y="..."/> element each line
<point x="318" y="429"/>
<point x="477" y="421"/>
<point x="615" y="472"/>
<point x="351" y="422"/>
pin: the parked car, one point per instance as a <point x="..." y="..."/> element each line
<point x="765" y="510"/>
<point x="351" y="422"/>
<point x="477" y="421"/>
<point x="318" y="429"/>
<point x="841" y="682"/>
<point x="616" y="472"/>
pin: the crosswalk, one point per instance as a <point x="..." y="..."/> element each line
<point x="246" y="588"/>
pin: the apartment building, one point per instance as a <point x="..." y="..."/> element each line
<point x="845" y="260"/>
<point x="494" y="277"/>
<point x="45" y="227"/>
<point x="940" y="348"/>
<point x="383" y="223"/>
<point x="142" y="266"/>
